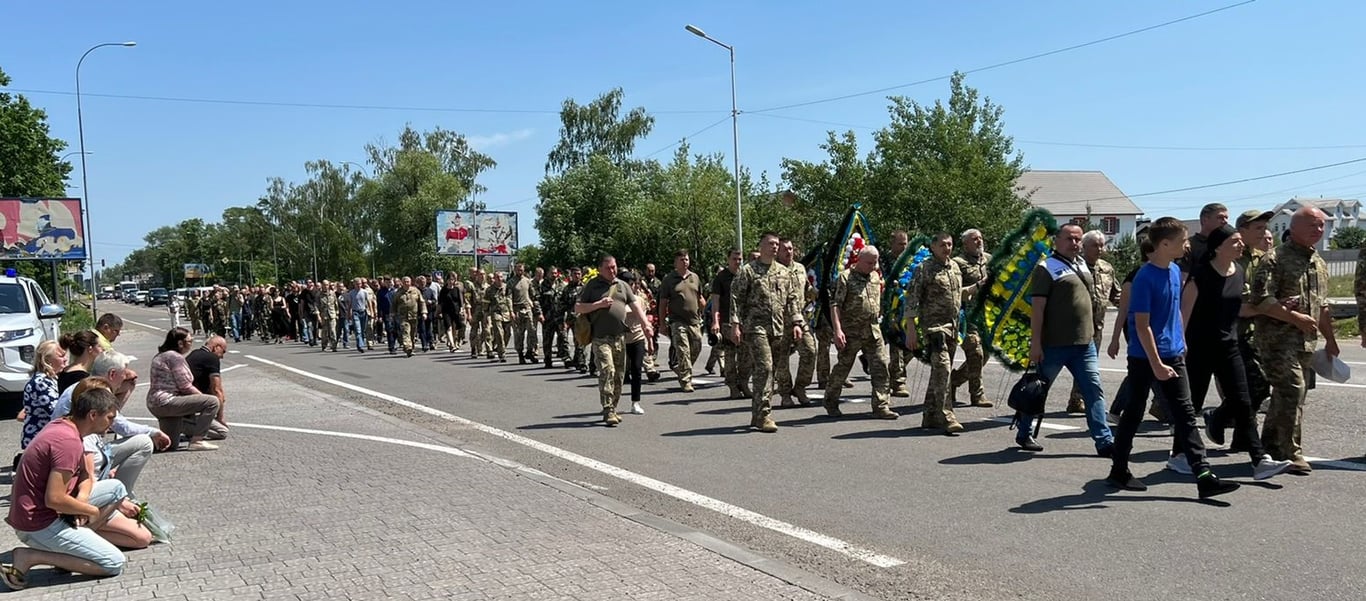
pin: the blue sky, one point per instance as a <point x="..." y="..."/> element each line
<point x="1268" y="74"/>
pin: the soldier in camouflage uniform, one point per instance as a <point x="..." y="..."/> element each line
<point x="764" y="304"/>
<point x="328" y="309"/>
<point x="606" y="302"/>
<point x="935" y="298"/>
<point x="479" y="330"/>
<point x="192" y="311"/>
<point x="972" y="263"/>
<point x="526" y="314"/>
<point x="1105" y="293"/>
<point x="552" y="330"/>
<point x="735" y="364"/>
<point x="218" y="312"/>
<point x="498" y="311"/>
<point x="805" y="348"/>
<point x="897" y="356"/>
<point x="855" y="320"/>
<point x="1289" y="291"/>
<point x="409" y="307"/>
<point x="680" y="310"/>
<point x="1252" y="225"/>
<point x="572" y="287"/>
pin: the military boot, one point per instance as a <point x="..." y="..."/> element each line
<point x="901" y="392"/>
<point x="952" y="426"/>
<point x="1076" y="405"/>
<point x="787" y="401"/>
<point x="832" y="407"/>
<point x="764" y="424"/>
<point x="982" y="402"/>
<point x="610" y="418"/>
<point x="884" y="413"/>
<point x="736" y="393"/>
<point x="801" y="397"/>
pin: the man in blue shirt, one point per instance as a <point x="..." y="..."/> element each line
<point x="1157" y="346"/>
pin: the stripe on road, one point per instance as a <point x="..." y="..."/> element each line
<point x="676" y="492"/>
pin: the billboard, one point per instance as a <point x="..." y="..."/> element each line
<point x="42" y="228"/>
<point x="197" y="271"/>
<point x="486" y="233"/>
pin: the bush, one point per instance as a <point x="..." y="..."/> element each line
<point x="1349" y="237"/>
<point x="78" y="317"/>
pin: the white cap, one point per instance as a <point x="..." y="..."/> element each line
<point x="1331" y="368"/>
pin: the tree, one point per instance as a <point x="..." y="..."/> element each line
<point x="29" y="161"/>
<point x="597" y="128"/>
<point x="1349" y="237"/>
<point x="689" y="203"/>
<point x="822" y="192"/>
<point x="1124" y="255"/>
<point x="945" y="167"/>
<point x="579" y="215"/>
<point x="530" y="255"/>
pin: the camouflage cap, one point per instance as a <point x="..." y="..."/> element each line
<point x="1253" y="215"/>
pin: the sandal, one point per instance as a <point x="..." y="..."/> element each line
<point x="13" y="579"/>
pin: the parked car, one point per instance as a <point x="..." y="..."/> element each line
<point x="27" y="318"/>
<point x="158" y="296"/>
<point x="140" y="297"/>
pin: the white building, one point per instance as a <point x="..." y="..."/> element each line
<point x="1072" y="196"/>
<point x="1341" y="212"/>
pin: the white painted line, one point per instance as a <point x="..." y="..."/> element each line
<point x="232" y="367"/>
<point x="1342" y="465"/>
<point x="590" y="486"/>
<point x="406" y="443"/>
<point x="1045" y="426"/>
<point x="235" y="352"/>
<point x="150" y="327"/>
<point x="682" y="494"/>
<point x="1319" y="382"/>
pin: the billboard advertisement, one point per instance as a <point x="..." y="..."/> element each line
<point x="42" y="228"/>
<point x="197" y="271"/>
<point x="486" y="233"/>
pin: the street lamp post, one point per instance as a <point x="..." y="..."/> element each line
<point x="734" y="135"/>
<point x="85" y="185"/>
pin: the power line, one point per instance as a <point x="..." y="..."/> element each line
<point x="1225" y="183"/>
<point x="1013" y="61"/>
<point x="318" y="105"/>
<point x="1294" y="189"/>
<point x="692" y="135"/>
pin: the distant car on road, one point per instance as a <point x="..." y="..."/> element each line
<point x="27" y="318"/>
<point x="158" y="296"/>
<point x="140" y="297"/>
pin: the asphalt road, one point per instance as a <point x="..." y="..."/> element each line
<point x="970" y="516"/>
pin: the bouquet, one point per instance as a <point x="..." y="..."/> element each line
<point x="156" y="523"/>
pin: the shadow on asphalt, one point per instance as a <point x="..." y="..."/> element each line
<point x="1096" y="493"/>
<point x="716" y="431"/>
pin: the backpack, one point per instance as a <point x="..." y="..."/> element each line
<point x="583" y="328"/>
<point x="1028" y="397"/>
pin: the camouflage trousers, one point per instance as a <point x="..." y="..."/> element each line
<point x="478" y="330"/>
<point x="609" y="355"/>
<point x="939" y="349"/>
<point x="762" y="346"/>
<point x="1257" y="388"/>
<point x="327" y="332"/>
<point x="496" y="337"/>
<point x="524" y="332"/>
<point x="736" y="363"/>
<point x="974" y="359"/>
<point x="1290" y="373"/>
<point x="875" y="350"/>
<point x="897" y="358"/>
<point x="824" y="338"/>
<point x="407" y="329"/>
<point x="686" y="339"/>
<point x="806" y="364"/>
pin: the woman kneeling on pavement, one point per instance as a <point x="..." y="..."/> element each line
<point x="67" y="519"/>
<point x="172" y="397"/>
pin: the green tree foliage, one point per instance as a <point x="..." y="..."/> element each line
<point x="29" y="161"/>
<point x="581" y="210"/>
<point x="598" y="128"/>
<point x="1349" y="237"/>
<point x="822" y="192"/>
<point x="946" y="167"/>
<point x="1124" y="255"/>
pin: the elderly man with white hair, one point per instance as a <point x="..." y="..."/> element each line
<point x="123" y="457"/>
<point x="1105" y="293"/>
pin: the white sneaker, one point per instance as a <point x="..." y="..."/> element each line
<point x="1178" y="463"/>
<point x="637" y="409"/>
<point x="200" y="445"/>
<point x="1266" y="467"/>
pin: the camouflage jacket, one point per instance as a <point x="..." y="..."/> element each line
<point x="498" y="302"/>
<point x="327" y="305"/>
<point x="408" y="304"/>
<point x="936" y="295"/>
<point x="806" y="293"/>
<point x="523" y="293"/>
<point x="1289" y="274"/>
<point x="1249" y="261"/>
<point x="478" y="303"/>
<point x="763" y="298"/>
<point x="1104" y="293"/>
<point x="550" y="294"/>
<point x="859" y="300"/>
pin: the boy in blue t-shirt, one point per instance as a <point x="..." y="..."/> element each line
<point x="1157" y="346"/>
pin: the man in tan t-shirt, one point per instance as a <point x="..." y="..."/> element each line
<point x="680" y="309"/>
<point x="607" y="302"/>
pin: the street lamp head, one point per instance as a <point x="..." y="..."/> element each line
<point x="129" y="44"/>
<point x="695" y="31"/>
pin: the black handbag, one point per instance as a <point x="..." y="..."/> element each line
<point x="1028" y="397"/>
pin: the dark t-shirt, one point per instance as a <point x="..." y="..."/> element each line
<point x="203" y="364"/>
<point x="608" y="322"/>
<point x="451" y="300"/>
<point x="308" y="301"/>
<point x="1215" y="315"/>
<point x="720" y="287"/>
<point x="1067" y="317"/>
<point x="681" y="295"/>
<point x="67" y="379"/>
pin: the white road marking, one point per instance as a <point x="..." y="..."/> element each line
<point x="1319" y="382"/>
<point x="676" y="492"/>
<point x="232" y="367"/>
<point x="1343" y="465"/>
<point x="150" y="327"/>
<point x="406" y="443"/>
<point x="590" y="485"/>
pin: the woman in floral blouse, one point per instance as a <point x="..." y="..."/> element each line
<point x="172" y="396"/>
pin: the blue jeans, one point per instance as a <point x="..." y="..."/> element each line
<point x="1082" y="362"/>
<point x="360" y="320"/>
<point x="424" y="329"/>
<point x="391" y="331"/>
<point x="235" y="322"/>
<point x="60" y="537"/>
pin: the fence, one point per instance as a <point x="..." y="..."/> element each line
<point x="1340" y="262"/>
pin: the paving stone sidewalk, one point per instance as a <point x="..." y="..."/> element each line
<point x="281" y="514"/>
